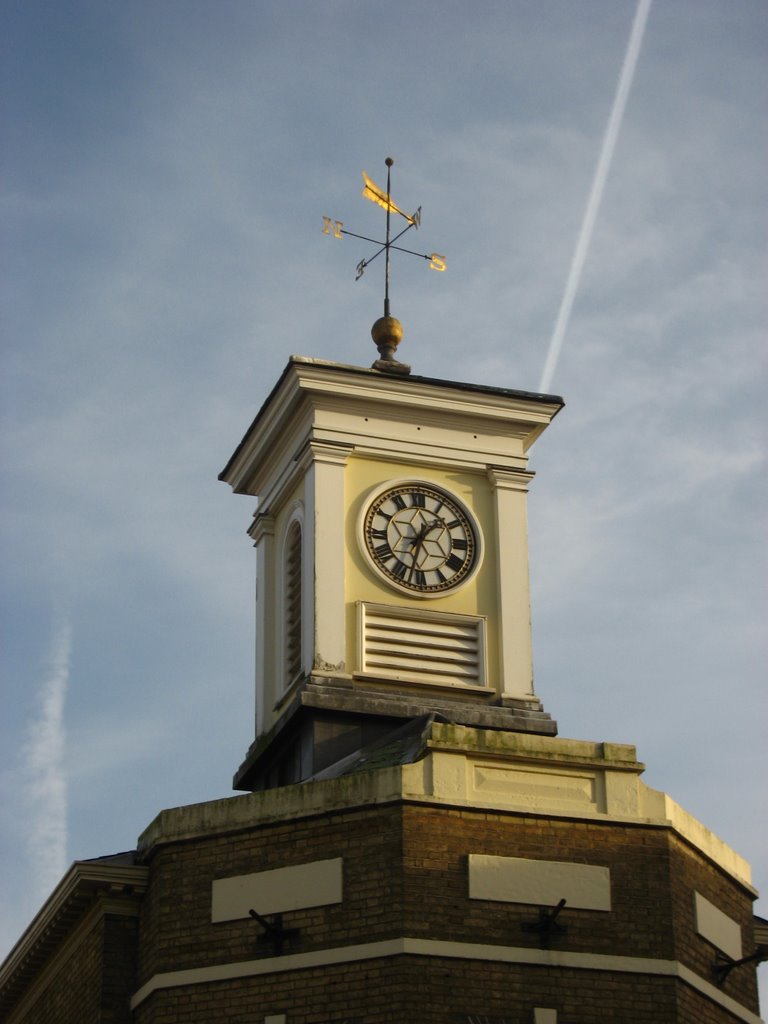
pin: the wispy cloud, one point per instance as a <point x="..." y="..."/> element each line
<point x="45" y="780"/>
<point x="596" y="192"/>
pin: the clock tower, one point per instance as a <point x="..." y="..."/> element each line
<point x="392" y="561"/>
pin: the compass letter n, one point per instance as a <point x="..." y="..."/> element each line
<point x="332" y="227"/>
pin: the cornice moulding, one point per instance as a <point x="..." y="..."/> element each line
<point x="334" y="387"/>
<point x="113" y="887"/>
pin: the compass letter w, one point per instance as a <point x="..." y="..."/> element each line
<point x="332" y="227"/>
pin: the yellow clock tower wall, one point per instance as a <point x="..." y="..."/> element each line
<point x="365" y="477"/>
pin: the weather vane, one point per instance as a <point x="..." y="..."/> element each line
<point x="387" y="332"/>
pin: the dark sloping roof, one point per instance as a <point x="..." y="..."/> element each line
<point x="404" y="745"/>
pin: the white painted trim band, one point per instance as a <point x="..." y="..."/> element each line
<point x="452" y="950"/>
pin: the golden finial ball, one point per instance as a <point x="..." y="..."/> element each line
<point x="387" y="333"/>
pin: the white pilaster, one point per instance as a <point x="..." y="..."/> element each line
<point x="510" y="489"/>
<point x="263" y="533"/>
<point x="326" y="516"/>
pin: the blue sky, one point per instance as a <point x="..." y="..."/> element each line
<point x="166" y="170"/>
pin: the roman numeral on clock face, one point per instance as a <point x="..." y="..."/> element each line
<point x="399" y="569"/>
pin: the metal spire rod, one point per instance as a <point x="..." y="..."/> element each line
<point x="389" y="161"/>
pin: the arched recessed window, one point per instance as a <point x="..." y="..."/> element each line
<point x="292" y="601"/>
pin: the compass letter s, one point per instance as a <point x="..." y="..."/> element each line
<point x="332" y="227"/>
<point x="436" y="261"/>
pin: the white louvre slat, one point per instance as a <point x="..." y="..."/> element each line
<point x="437" y="648"/>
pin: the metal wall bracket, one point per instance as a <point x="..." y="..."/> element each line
<point x="274" y="932"/>
<point x="547" y="925"/>
<point x="723" y="965"/>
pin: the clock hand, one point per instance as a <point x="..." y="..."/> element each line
<point x="416" y="545"/>
<point x="418" y="542"/>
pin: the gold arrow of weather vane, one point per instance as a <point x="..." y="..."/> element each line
<point x="386" y="202"/>
<point x="383" y="197"/>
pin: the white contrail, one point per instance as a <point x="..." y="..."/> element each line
<point x="596" y="192"/>
<point x="46" y="784"/>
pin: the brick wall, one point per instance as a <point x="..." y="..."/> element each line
<point x="118" y="978"/>
<point x="689" y="873"/>
<point x="72" y="992"/>
<point x="405" y="874"/>
<point x="176" y="928"/>
<point x="93" y="979"/>
<point x="436" y="848"/>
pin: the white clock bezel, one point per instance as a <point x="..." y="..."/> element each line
<point x="413" y="591"/>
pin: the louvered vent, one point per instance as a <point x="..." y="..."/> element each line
<point x="292" y="606"/>
<point x="428" y="647"/>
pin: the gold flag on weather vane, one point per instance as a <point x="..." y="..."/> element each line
<point x="379" y="196"/>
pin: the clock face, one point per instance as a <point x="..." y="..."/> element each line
<point x="420" y="538"/>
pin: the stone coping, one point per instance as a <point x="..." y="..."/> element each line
<point x="442" y="777"/>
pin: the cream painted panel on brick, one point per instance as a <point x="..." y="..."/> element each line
<point x="540" y="882"/>
<point x="269" y="892"/>
<point x="542" y="1016"/>
<point x="718" y="928"/>
<point x="537" y="788"/>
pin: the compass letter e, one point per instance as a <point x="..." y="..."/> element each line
<point x="332" y="227"/>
